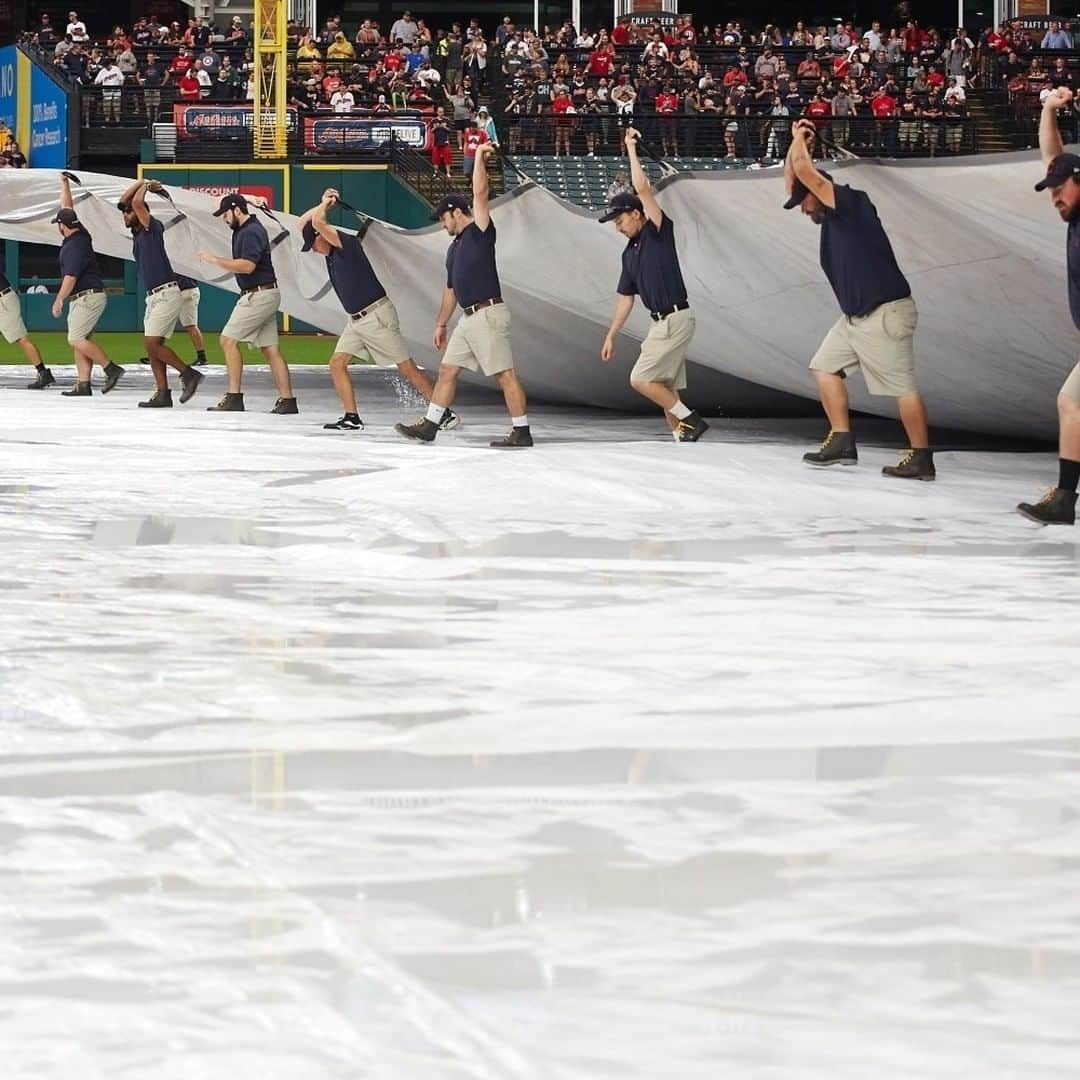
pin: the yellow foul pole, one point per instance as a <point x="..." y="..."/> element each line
<point x="271" y="64"/>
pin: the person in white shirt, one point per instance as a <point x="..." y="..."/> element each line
<point x="205" y="82"/>
<point x="110" y="78"/>
<point x="404" y="29"/>
<point x="956" y="92"/>
<point x="76" y="28"/>
<point x="343" y="101"/>
<point x="873" y="35"/>
<point x="427" y="76"/>
<point x="585" y="40"/>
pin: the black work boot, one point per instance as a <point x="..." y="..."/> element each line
<point x="423" y="430"/>
<point x="517" y="438"/>
<point x="690" y="428"/>
<point x="1056" y="507"/>
<point x="913" y="465"/>
<point x="449" y="421"/>
<point x="285" y="406"/>
<point x="837" y="449"/>
<point x="189" y="381"/>
<point x="113" y="374"/>
<point x="80" y="389"/>
<point x="229" y="403"/>
<point x="162" y="399"/>
<point x="349" y="422"/>
<point x="44" y="378"/>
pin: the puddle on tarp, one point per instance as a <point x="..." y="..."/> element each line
<point x="158" y="530"/>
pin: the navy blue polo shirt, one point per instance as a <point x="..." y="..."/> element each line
<point x="470" y="265"/>
<point x="351" y="274"/>
<point x="186" y="283"/>
<point x="151" y="260"/>
<point x="857" y="257"/>
<point x="1073" y="264"/>
<point x="251" y="242"/>
<point x="4" y="283"/>
<point x="77" y="260"/>
<point x="650" y="267"/>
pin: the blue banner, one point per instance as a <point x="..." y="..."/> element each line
<point x="48" y="122"/>
<point x="9" y="87"/>
<point x="337" y="133"/>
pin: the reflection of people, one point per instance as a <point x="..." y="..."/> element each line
<point x="80" y="282"/>
<point x="1058" y="505"/>
<point x="163" y="297"/>
<point x="373" y="329"/>
<point x="877" y="330"/>
<point x="481" y="338"/>
<point x="254" y="318"/>
<point x="37" y="287"/>
<point x="650" y="269"/>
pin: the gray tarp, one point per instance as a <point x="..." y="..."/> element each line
<point x="983" y="252"/>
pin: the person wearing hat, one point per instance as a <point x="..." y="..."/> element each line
<point x="650" y="269"/>
<point x="373" y="329"/>
<point x="81" y="284"/>
<point x="163" y="298"/>
<point x="1062" y="180"/>
<point x="487" y="125"/>
<point x="877" y="329"/>
<point x="254" y="318"/>
<point x="481" y="338"/>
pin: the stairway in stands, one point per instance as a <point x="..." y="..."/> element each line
<point x="993" y="134"/>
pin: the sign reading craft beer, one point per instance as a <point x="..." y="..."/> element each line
<point x="219" y="121"/>
<point x="337" y="134"/>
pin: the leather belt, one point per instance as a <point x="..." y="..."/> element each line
<point x="658" y="315"/>
<point x="370" y="308"/>
<point x="4" y="292"/>
<point x="162" y="288"/>
<point x="473" y="309"/>
<point x="86" y="292"/>
<point x="258" y="288"/>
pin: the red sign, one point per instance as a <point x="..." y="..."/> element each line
<point x="218" y="191"/>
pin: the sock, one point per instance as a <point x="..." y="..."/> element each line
<point x="435" y="412"/>
<point x="200" y="354"/>
<point x="1068" y="474"/>
<point x="520" y="421"/>
<point x="679" y="410"/>
<point x="39" y="367"/>
<point x="352" y="416"/>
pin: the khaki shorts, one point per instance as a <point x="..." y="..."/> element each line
<point x="481" y="341"/>
<point x="1070" y="388"/>
<point x="882" y="344"/>
<point x="189" y="307"/>
<point x="11" y="321"/>
<point x="376" y="337"/>
<point x="254" y="319"/>
<point x="663" y="352"/>
<point x="162" y="311"/>
<point x="83" y="316"/>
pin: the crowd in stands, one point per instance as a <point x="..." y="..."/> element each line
<point x="724" y="89"/>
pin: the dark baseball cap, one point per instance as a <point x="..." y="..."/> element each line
<point x="310" y="236"/>
<point x="800" y="191"/>
<point x="622" y="203"/>
<point x="66" y="217"/>
<point x="1059" y="170"/>
<point x="448" y="203"/>
<point x="235" y="201"/>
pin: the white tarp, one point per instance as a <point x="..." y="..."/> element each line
<point x="983" y="252"/>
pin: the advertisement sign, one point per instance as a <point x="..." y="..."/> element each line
<point x="8" y="87"/>
<point x="343" y="133"/>
<point x="48" y="122"/>
<point x="197" y="121"/>
<point x="219" y="191"/>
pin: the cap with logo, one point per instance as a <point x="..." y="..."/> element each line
<point x="451" y="202"/>
<point x="799" y="191"/>
<point x="66" y="217"/>
<point x="1059" y="170"/>
<point x="622" y="203"/>
<point x="235" y="201"/>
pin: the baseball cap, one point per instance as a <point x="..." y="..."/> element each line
<point x="235" y="201"/>
<point x="65" y="217"/>
<point x="622" y="203"/>
<point x="454" y="201"/>
<point x="1059" y="170"/>
<point x="310" y="236"/>
<point x="800" y="191"/>
<point x="482" y="109"/>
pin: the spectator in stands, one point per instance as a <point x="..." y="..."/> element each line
<point x="188" y="86"/>
<point x="1060" y="75"/>
<point x="474" y="138"/>
<point x="909" y="121"/>
<point x="340" y="49"/>
<point x="210" y="61"/>
<point x="1056" y="38"/>
<point x="154" y="76"/>
<point x="110" y="78"/>
<point x="127" y="62"/>
<point x="343" y="100"/>
<point x="180" y="62"/>
<point x="953" y="111"/>
<point x="476" y="61"/>
<point x="883" y="106"/>
<point x="562" y="109"/>
<point x="404" y="29"/>
<point x="76" y="29"/>
<point x="237" y="35"/>
<point x="442" y="154"/>
<point x="843" y="109"/>
<point x="16" y="159"/>
<point x="779" y="130"/>
<point x="486" y="123"/>
<point x="198" y="34"/>
<point x="463" y="105"/>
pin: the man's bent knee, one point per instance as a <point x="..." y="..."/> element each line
<point x="1068" y="408"/>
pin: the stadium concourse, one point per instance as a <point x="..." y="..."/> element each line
<point x="329" y="755"/>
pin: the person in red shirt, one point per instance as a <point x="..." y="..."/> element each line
<point x="883" y="106"/>
<point x="667" y="107"/>
<point x="601" y="63"/>
<point x="913" y="37"/>
<point x="841" y="66"/>
<point x="393" y="61"/>
<point x="188" y="87"/>
<point x="734" y="76"/>
<point x="180" y="63"/>
<point x="474" y="138"/>
<point x="331" y="84"/>
<point x="563" y="110"/>
<point x="621" y="35"/>
<point x="935" y="80"/>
